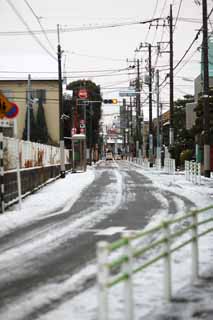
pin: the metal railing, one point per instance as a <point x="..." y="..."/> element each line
<point x="193" y="172"/>
<point x="120" y="260"/>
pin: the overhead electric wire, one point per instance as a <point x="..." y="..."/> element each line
<point x="193" y="41"/>
<point x="39" y="22"/>
<point x="75" y="29"/>
<point x="29" y="30"/>
<point x="95" y="57"/>
<point x="155" y="9"/>
<point x="178" y="13"/>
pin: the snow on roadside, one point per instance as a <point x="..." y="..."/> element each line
<point x="49" y="199"/>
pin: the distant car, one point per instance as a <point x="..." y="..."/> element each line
<point x="118" y="157"/>
<point x="109" y="155"/>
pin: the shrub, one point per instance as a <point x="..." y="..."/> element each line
<point x="186" y="155"/>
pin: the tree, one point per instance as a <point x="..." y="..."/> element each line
<point x="199" y="123"/>
<point x="93" y="110"/>
<point x="184" y="139"/>
<point x="33" y="127"/>
<point x="42" y="131"/>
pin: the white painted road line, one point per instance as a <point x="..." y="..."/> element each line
<point x="110" y="231"/>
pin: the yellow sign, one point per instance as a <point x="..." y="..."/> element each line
<point x="5" y="105"/>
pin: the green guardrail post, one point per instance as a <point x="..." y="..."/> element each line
<point x="167" y="263"/>
<point x="195" y="253"/>
<point x="128" y="284"/>
<point x="102" y="279"/>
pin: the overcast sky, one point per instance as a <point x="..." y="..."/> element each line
<point x="100" y="54"/>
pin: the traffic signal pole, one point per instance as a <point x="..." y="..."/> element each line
<point x="206" y="92"/>
<point x="171" y="77"/>
<point x="61" y="121"/>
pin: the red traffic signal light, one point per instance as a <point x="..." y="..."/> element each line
<point x="110" y="101"/>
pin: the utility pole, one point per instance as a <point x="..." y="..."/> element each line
<point x="158" y="115"/>
<point x="138" y="110"/>
<point x="150" y="107"/>
<point x="171" y="76"/>
<point x="124" y="125"/>
<point x="90" y="132"/>
<point x="150" y="70"/>
<point x="61" y="120"/>
<point x="206" y="92"/>
<point x="29" y="106"/>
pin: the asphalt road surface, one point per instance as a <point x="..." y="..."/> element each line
<point x="55" y="247"/>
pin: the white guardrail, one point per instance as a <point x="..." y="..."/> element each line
<point x="31" y="154"/>
<point x="120" y="260"/>
<point x="193" y="172"/>
<point x="169" y="165"/>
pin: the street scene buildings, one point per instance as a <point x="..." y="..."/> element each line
<point x="106" y="160"/>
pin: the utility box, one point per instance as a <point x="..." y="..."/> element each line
<point x="78" y="152"/>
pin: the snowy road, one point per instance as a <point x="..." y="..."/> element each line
<point x="37" y="260"/>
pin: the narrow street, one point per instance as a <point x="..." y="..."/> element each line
<point x="36" y="257"/>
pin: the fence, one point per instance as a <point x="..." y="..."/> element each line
<point x="31" y="154"/>
<point x="169" y="166"/>
<point x="38" y="163"/>
<point x="123" y="265"/>
<point x="141" y="161"/>
<point x="193" y="171"/>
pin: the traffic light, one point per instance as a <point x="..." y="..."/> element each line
<point x="110" y="101"/>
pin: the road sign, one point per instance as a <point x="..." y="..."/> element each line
<point x="82" y="130"/>
<point x="12" y="112"/>
<point x="83" y="94"/>
<point x="5" y="105"/>
<point x="74" y="130"/>
<point x="128" y="93"/>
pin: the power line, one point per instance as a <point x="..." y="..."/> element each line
<point x="176" y="20"/>
<point x="29" y="30"/>
<point x="71" y="29"/>
<point x="193" y="41"/>
<point x="38" y="19"/>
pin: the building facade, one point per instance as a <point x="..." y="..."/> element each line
<point x="16" y="91"/>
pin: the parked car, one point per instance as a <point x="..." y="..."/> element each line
<point x="109" y="155"/>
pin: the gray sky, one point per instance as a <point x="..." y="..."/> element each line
<point x="101" y="54"/>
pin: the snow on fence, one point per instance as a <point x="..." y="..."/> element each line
<point x="31" y="154"/>
<point x="193" y="172"/>
<point x="169" y="166"/>
<point x="141" y="161"/>
<point x="120" y="260"/>
<point x="158" y="163"/>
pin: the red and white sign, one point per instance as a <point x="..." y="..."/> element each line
<point x="74" y="130"/>
<point x="83" y="94"/>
